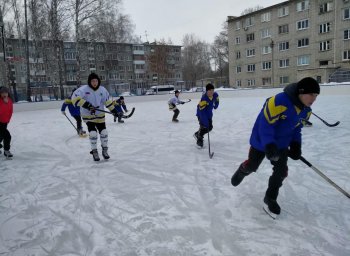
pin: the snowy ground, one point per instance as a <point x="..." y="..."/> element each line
<point x="160" y="195"/>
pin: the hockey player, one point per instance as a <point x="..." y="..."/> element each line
<point x="6" y="111"/>
<point x="91" y="98"/>
<point x="277" y="134"/>
<point x="120" y="108"/>
<point x="74" y="112"/>
<point x="209" y="100"/>
<point x="172" y="105"/>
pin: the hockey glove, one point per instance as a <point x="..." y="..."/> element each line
<point x="182" y="102"/>
<point x="271" y="152"/>
<point x="63" y="112"/>
<point x="294" y="150"/>
<point x="90" y="107"/>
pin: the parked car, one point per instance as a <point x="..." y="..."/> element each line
<point x="126" y="94"/>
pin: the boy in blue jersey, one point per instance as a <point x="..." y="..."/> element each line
<point x="208" y="102"/>
<point x="74" y="112"/>
<point x="120" y="108"/>
<point x="277" y="135"/>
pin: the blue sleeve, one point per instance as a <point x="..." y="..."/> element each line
<point x="216" y="102"/>
<point x="124" y="107"/>
<point x="64" y="105"/>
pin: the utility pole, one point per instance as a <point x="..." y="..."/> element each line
<point x="29" y="99"/>
<point x="272" y="66"/>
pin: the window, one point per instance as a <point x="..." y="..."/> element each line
<point x="251" y="67"/>
<point x="283" y="46"/>
<point x="250" y="37"/>
<point x="302" y="5"/>
<point x="303" y="42"/>
<point x="325" y="27"/>
<point x="266" y="65"/>
<point x="325" y="46"/>
<point x="326" y="7"/>
<point x="283" y="11"/>
<point x="265" y="33"/>
<point x="238" y="69"/>
<point x="249" y="21"/>
<point x="284" y="79"/>
<point x="303" y="60"/>
<point x="346" y="55"/>
<point x="238" y="83"/>
<point x="346" y="14"/>
<point x="238" y="25"/>
<point x="265" y="17"/>
<point x="238" y="40"/>
<point x="266" y="81"/>
<point x="251" y="82"/>
<point x="346" y="34"/>
<point x="283" y="29"/>
<point x="284" y="63"/>
<point x="266" y="49"/>
<point x="323" y="62"/>
<point x="250" y="52"/>
<point x="238" y="55"/>
<point x="302" y="24"/>
<point x="101" y="68"/>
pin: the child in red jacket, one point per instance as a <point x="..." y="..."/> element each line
<point x="6" y="110"/>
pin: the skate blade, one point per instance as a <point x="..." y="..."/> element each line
<point x="8" y="158"/>
<point x="83" y="135"/>
<point x="271" y="214"/>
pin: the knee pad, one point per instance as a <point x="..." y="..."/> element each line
<point x="93" y="139"/>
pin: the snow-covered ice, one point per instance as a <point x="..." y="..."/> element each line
<point x="160" y="195"/>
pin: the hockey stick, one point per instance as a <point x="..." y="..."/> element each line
<point x="325" y="177"/>
<point x="124" y="116"/>
<point x="81" y="135"/>
<point x="328" y="124"/>
<point x="210" y="154"/>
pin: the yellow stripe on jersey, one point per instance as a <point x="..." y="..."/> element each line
<point x="78" y="101"/>
<point x="99" y="118"/>
<point x="272" y="112"/>
<point x="109" y="105"/>
<point x="68" y="101"/>
<point x="202" y="104"/>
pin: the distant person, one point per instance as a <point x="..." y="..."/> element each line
<point x="172" y="105"/>
<point x="74" y="112"/>
<point x="91" y="98"/>
<point x="120" y="108"/>
<point x="208" y="102"/>
<point x="6" y="111"/>
<point x="277" y="134"/>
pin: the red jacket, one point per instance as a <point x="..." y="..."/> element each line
<point x="6" y="110"/>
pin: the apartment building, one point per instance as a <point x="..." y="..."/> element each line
<point x="121" y="66"/>
<point x="285" y="42"/>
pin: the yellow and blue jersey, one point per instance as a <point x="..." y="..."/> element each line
<point x="73" y="110"/>
<point x="279" y="122"/>
<point x="205" y="108"/>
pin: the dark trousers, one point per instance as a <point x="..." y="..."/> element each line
<point x="204" y="130"/>
<point x="78" y="119"/>
<point x="5" y="136"/>
<point x="176" y="113"/>
<point x="95" y="126"/>
<point x="280" y="169"/>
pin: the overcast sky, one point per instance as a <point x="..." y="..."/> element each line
<point x="175" y="18"/>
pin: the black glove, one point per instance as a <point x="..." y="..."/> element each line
<point x="294" y="150"/>
<point x="271" y="152"/>
<point x="182" y="102"/>
<point x="90" y="107"/>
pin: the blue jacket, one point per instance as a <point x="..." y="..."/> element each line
<point x="119" y="106"/>
<point x="205" y="108"/>
<point x="73" y="110"/>
<point x="280" y="120"/>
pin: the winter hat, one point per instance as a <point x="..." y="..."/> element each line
<point x="209" y="87"/>
<point x="308" y="85"/>
<point x="4" y="89"/>
<point x="121" y="97"/>
<point x="177" y="91"/>
<point x="94" y="76"/>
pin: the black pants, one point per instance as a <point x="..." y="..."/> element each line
<point x="204" y="130"/>
<point x="5" y="136"/>
<point x="95" y="126"/>
<point x="176" y="113"/>
<point x="78" y="119"/>
<point x="280" y="169"/>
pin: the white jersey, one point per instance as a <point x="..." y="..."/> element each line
<point x="174" y="100"/>
<point x="98" y="99"/>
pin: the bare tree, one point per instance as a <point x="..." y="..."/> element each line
<point x="252" y="9"/>
<point x="195" y="59"/>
